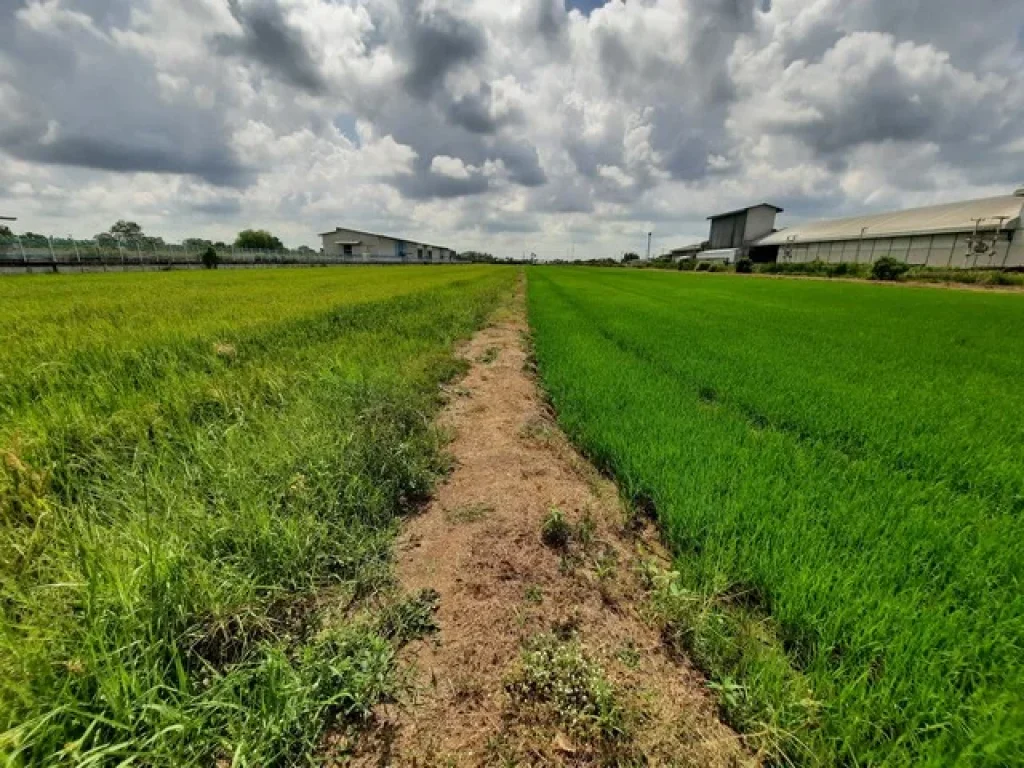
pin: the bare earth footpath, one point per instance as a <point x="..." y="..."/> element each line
<point x="479" y="545"/>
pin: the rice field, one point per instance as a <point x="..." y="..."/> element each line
<point x="838" y="468"/>
<point x="200" y="475"/>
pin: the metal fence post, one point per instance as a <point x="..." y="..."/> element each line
<point x="21" y="248"/>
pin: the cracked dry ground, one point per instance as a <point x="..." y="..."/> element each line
<point x="479" y="545"/>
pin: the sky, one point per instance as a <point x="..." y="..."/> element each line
<point x="555" y="127"/>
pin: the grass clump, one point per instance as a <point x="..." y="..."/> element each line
<point x="557" y="681"/>
<point x="556" y="531"/>
<point x="758" y="690"/>
<point x="411" y="618"/>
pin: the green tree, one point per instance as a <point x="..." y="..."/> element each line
<point x="5" y="231"/>
<point x="630" y="256"/>
<point x="258" y="239"/>
<point x="128" y="230"/>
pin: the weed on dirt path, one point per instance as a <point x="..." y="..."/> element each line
<point x="542" y="654"/>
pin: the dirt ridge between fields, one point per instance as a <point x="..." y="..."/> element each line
<point x="479" y="545"/>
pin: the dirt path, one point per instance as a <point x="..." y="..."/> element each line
<point x="479" y="544"/>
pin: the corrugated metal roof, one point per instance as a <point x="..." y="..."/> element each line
<point x="749" y="207"/>
<point x="950" y="217"/>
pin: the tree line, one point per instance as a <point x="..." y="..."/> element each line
<point x="125" y="231"/>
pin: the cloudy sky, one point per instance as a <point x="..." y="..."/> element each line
<point x="551" y="126"/>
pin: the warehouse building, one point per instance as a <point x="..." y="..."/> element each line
<point x="370" y="248"/>
<point x="684" y="252"/>
<point x="973" y="233"/>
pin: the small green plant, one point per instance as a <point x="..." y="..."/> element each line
<point x="606" y="565"/>
<point x="557" y="680"/>
<point x="490" y="355"/>
<point x="556" y="531"/>
<point x="586" y="530"/>
<point x="533" y="594"/>
<point x="888" y="268"/>
<point x="629" y="655"/>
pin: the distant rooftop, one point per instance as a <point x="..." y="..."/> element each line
<point x="938" y="219"/>
<point x="378" y="234"/>
<point x="747" y="208"/>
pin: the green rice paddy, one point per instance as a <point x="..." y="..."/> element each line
<point x="839" y="468"/>
<point x="200" y="474"/>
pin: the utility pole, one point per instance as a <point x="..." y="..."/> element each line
<point x="649" y="245"/>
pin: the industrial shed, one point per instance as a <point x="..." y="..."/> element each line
<point x="973" y="233"/>
<point x="371" y="248"/>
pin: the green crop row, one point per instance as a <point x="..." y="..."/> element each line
<point x="838" y="469"/>
<point x="199" y="477"/>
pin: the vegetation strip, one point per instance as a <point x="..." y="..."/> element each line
<point x="544" y="653"/>
<point x="196" y="512"/>
<point x="835" y="466"/>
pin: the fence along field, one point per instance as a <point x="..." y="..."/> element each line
<point x="838" y="468"/>
<point x="39" y="253"/>
<point x="193" y="467"/>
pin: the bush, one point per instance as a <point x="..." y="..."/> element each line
<point x="687" y="265"/>
<point x="745" y="266"/>
<point x="888" y="268"/>
<point x="210" y="258"/>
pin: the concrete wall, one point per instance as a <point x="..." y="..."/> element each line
<point x="760" y="222"/>
<point x="727" y="231"/>
<point x="944" y="250"/>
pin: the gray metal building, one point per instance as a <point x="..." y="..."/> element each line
<point x="973" y="233"/>
<point x="370" y="248"/>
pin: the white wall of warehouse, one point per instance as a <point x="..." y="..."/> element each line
<point x="942" y="250"/>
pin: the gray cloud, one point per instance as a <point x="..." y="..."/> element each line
<point x="522" y="163"/>
<point x="648" y="113"/>
<point x="95" y="104"/>
<point x="549" y="19"/>
<point x="155" y="154"/>
<point x="474" y="112"/>
<point x="270" y="40"/>
<point x="563" y="195"/>
<point x="425" y="185"/>
<point x="868" y="89"/>
<point x="438" y="43"/>
<point x="227" y="206"/>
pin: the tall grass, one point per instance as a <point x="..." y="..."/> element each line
<point x="200" y="476"/>
<point x="839" y="462"/>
